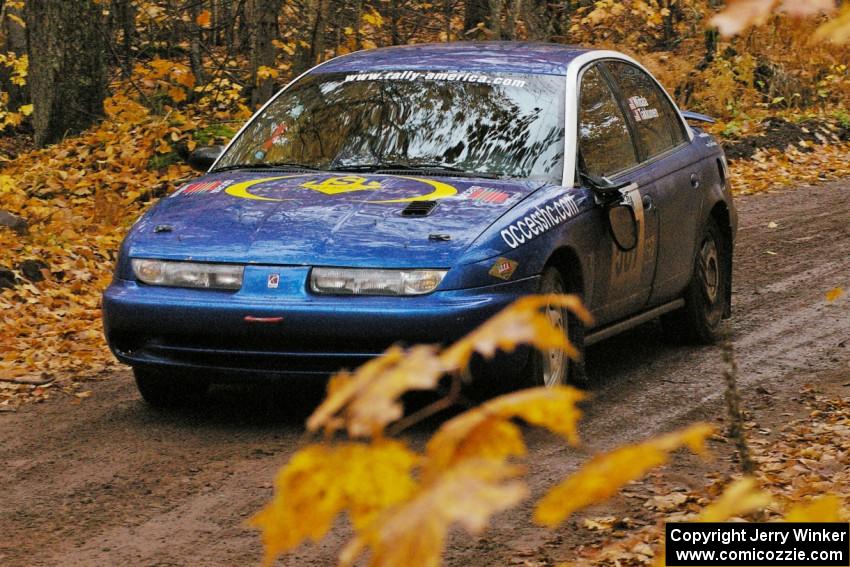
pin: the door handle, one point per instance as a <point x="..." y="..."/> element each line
<point x="647" y="202"/>
<point x="695" y="181"/>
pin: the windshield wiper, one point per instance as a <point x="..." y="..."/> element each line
<point x="267" y="165"/>
<point x="424" y="166"/>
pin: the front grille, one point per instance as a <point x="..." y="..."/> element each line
<point x="258" y="354"/>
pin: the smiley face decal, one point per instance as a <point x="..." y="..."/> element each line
<point x="425" y="190"/>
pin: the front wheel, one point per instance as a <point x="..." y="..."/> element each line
<point x="707" y="294"/>
<point x="553" y="367"/>
<point x="162" y="389"/>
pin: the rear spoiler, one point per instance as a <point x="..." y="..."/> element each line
<point x="688" y="115"/>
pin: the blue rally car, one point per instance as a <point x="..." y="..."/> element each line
<point x="405" y="195"/>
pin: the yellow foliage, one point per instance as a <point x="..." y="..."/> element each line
<point x="521" y="323"/>
<point x="822" y="509"/>
<point x="836" y="30"/>
<point x="605" y="474"/>
<point x="177" y="94"/>
<point x="486" y="431"/>
<point x="367" y="400"/>
<point x="373" y="18"/>
<point x="320" y="482"/>
<point x="834" y="294"/>
<point x="204" y="18"/>
<point x="741" y="497"/>
<point x="414" y="533"/>
<point x="264" y="73"/>
<point x="741" y="14"/>
<point x="164" y="76"/>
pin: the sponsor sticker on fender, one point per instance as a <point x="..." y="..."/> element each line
<point x="488" y="196"/>
<point x="203" y="187"/>
<point x="503" y="269"/>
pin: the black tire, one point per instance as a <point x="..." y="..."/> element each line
<point x="554" y="367"/>
<point x="707" y="294"/>
<point x="162" y="389"/>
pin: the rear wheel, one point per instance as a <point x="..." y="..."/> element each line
<point x="161" y="389"/>
<point x="707" y="294"/>
<point x="553" y="367"/>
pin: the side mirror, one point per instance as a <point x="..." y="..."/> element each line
<point x="605" y="190"/>
<point x="623" y="224"/>
<point x="203" y="158"/>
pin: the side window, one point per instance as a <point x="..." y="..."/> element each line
<point x="605" y="143"/>
<point x="657" y="125"/>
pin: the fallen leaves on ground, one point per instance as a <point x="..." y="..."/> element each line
<point x="79" y="198"/>
<point x="769" y="170"/>
<point x="802" y="477"/>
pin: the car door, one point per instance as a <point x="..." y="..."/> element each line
<point x="607" y="148"/>
<point x="672" y="175"/>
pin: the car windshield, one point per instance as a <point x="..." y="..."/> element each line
<point x="506" y="125"/>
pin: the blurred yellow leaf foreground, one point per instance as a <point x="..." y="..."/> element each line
<point x="401" y="503"/>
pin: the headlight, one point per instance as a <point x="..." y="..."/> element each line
<point x="345" y="281"/>
<point x="188" y="274"/>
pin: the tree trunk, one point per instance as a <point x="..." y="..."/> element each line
<point x="315" y="20"/>
<point x="124" y="13"/>
<point x="263" y="51"/>
<point x="15" y="37"/>
<point x="67" y="68"/>
<point x="476" y="12"/>
<point x="195" y="59"/>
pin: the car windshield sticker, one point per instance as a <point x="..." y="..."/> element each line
<point x="487" y="195"/>
<point x="460" y="77"/>
<point x="423" y="190"/>
<point x="638" y="106"/>
<point x="279" y="130"/>
<point x="540" y="220"/>
<point x="503" y="269"/>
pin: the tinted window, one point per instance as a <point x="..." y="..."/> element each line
<point x="499" y="123"/>
<point x="658" y="127"/>
<point x="605" y="143"/>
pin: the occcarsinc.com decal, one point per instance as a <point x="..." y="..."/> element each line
<point x="540" y="220"/>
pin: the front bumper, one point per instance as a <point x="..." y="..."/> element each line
<point x="285" y="330"/>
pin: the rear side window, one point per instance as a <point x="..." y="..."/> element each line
<point x="605" y="143"/>
<point x="657" y="125"/>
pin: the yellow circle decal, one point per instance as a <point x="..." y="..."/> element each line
<point x="241" y="189"/>
<point x="337" y="185"/>
<point x="441" y="191"/>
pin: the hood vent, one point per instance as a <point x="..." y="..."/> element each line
<point x="419" y="209"/>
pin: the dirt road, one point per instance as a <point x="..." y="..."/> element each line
<point x="109" y="482"/>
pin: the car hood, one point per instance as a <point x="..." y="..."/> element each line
<point x="324" y="219"/>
